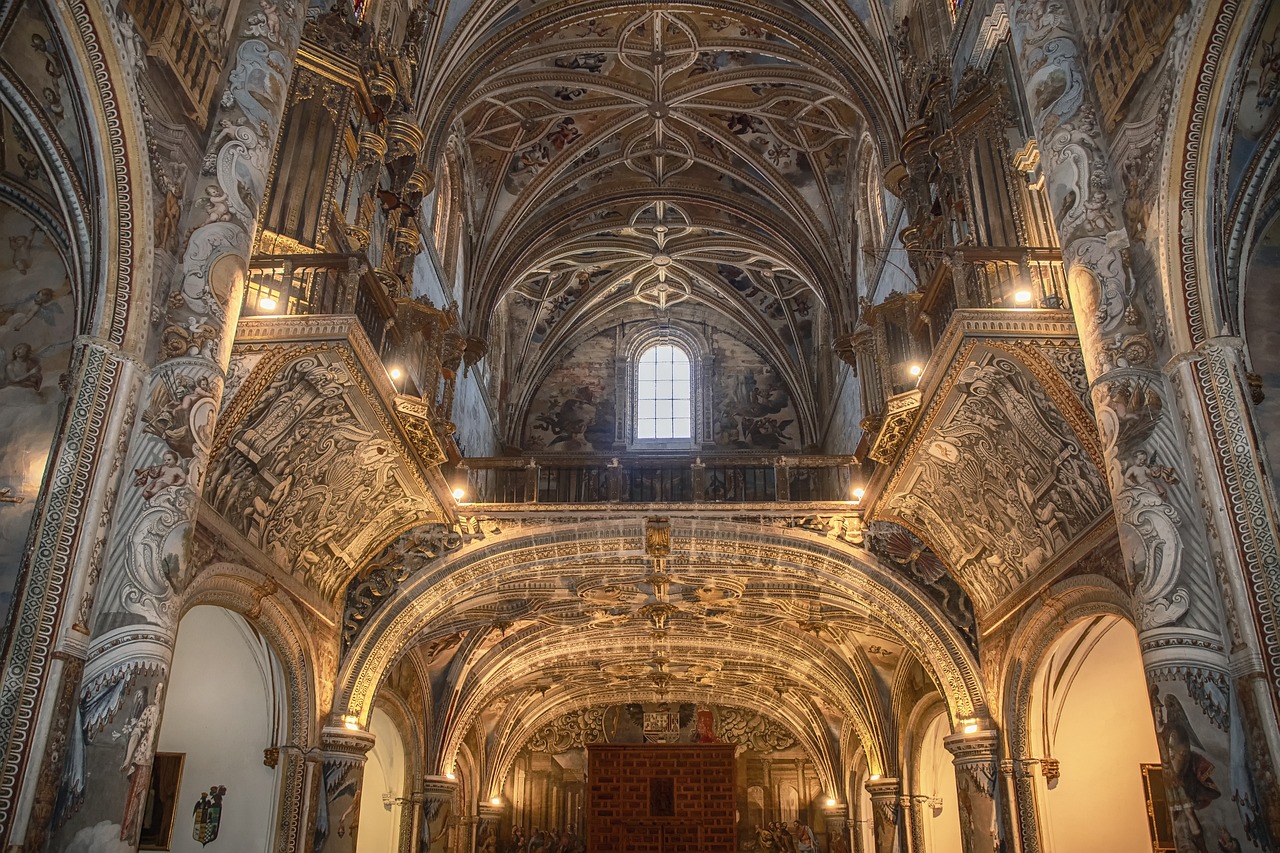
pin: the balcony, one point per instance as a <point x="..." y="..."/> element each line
<point x="314" y="284"/>
<point x="181" y="44"/>
<point x="726" y="479"/>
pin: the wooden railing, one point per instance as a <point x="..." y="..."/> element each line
<point x="300" y="285"/>
<point x="718" y="478"/>
<point x="174" y="36"/>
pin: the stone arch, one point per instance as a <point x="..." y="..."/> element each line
<point x="253" y="596"/>
<point x="1209" y="99"/>
<point x="846" y="574"/>
<point x="804" y="729"/>
<point x="1066" y="603"/>
<point x="112" y="272"/>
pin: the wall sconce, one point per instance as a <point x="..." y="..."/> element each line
<point x="916" y="370"/>
<point x="970" y="727"/>
<point x="831" y="801"/>
<point x="1022" y="297"/>
<point x="266" y="303"/>
<point x="858" y="493"/>
<point x="495" y="801"/>
<point x="875" y="777"/>
<point x="352" y="723"/>
<point x="459" y="493"/>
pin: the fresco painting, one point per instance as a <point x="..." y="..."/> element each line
<point x="37" y="325"/>
<point x="575" y="411"/>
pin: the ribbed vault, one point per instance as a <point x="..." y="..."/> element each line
<point x="531" y="622"/>
<point x="697" y="162"/>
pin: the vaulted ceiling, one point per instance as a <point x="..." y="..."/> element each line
<point x="694" y="162"/>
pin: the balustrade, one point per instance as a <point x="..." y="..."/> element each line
<point x="712" y="478"/>
<point x="311" y="284"/>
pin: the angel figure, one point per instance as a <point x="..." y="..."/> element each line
<point x="218" y="203"/>
<point x="1144" y="474"/>
<point x="156" y="478"/>
<point x="169" y="416"/>
<point x="44" y="304"/>
<point x="21" y="244"/>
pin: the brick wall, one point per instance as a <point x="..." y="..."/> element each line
<point x="620" y="802"/>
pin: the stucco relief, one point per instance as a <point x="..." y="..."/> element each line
<point x="304" y="472"/>
<point x="997" y="482"/>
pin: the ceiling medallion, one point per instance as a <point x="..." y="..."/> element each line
<point x="664" y="282"/>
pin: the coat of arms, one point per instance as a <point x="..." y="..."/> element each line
<point x="208" y="814"/>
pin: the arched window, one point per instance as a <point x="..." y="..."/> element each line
<point x="664" y="394"/>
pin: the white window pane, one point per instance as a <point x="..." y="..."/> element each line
<point x="664" y="394"/>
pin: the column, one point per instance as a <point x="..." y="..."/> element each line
<point x="914" y="805"/>
<point x="438" y="793"/>
<point x="975" y="761"/>
<point x="1178" y="603"/>
<point x="1212" y="386"/>
<point x="146" y="563"/>
<point x="836" y="817"/>
<point x="338" y="808"/>
<point x="490" y="828"/>
<point x="884" y="813"/>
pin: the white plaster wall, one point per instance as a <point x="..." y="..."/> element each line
<point x="938" y="780"/>
<point x="219" y="710"/>
<point x="1100" y="730"/>
<point x="383" y="774"/>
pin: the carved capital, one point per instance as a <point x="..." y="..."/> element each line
<point x="972" y="748"/>
<point x="438" y="789"/>
<point x="344" y="745"/>
<point x="884" y="790"/>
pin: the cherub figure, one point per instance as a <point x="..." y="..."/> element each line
<point x="21" y="244"/>
<point x="155" y="479"/>
<point x="218" y="205"/>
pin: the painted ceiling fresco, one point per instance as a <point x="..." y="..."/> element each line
<point x="640" y="160"/>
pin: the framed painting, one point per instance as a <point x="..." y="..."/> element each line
<point x="1158" y="820"/>
<point x="162" y="801"/>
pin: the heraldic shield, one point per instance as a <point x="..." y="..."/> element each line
<point x="208" y="814"/>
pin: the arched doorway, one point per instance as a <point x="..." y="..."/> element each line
<point x="383" y="803"/>
<point x="1091" y="793"/>
<point x="936" y="780"/>
<point x="224" y="704"/>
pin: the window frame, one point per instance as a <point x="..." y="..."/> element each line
<point x="695" y="350"/>
<point x="658" y="401"/>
